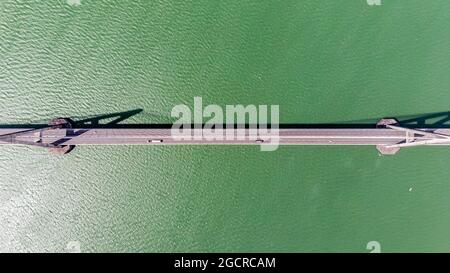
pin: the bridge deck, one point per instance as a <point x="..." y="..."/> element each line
<point x="101" y="136"/>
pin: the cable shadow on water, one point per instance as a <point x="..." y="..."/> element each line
<point x="114" y="120"/>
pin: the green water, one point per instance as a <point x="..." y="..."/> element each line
<point x="320" y="61"/>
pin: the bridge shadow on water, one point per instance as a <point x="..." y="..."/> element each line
<point x="113" y="120"/>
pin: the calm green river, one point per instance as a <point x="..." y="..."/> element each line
<point x="321" y="61"/>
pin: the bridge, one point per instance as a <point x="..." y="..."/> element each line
<point x="62" y="135"/>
